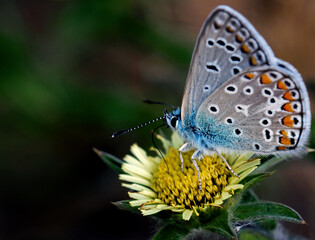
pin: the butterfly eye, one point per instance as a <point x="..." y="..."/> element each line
<point x="174" y="122"/>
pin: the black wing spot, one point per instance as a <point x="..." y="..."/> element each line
<point x="287" y="83"/>
<point x="265" y="122"/>
<point x="229" y="120"/>
<point x="256" y="146"/>
<point x="273" y="75"/>
<point x="235" y="71"/>
<point x="268" y="135"/>
<point x="212" y="68"/>
<point x="210" y="43"/>
<point x="237" y="131"/>
<point x="231" y="88"/>
<point x="235" y="59"/>
<point x="230" y="48"/>
<point x="239" y="107"/>
<point x="221" y="43"/>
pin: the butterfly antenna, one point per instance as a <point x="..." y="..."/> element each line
<point x="161" y="103"/>
<point x="115" y="134"/>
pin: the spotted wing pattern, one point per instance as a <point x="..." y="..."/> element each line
<point x="227" y="44"/>
<point x="265" y="109"/>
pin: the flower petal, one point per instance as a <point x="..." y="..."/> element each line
<point x="134" y="179"/>
<point x="141" y="189"/>
<point x="139" y="153"/>
<point x="150" y="212"/>
<point x="241" y="159"/>
<point x="136" y="171"/>
<point x="233" y="187"/>
<point x="132" y="160"/>
<point x="138" y="196"/>
<point x="176" y="141"/>
<point x="187" y="214"/>
<point x="235" y="179"/>
<point x="247" y="165"/>
<point x="137" y="203"/>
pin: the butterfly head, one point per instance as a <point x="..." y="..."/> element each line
<point x="172" y="119"/>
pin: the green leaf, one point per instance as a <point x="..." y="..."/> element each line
<point x="112" y="161"/>
<point x="266" y="211"/>
<point x="220" y="224"/>
<point x="124" y="205"/>
<point x="171" y="232"/>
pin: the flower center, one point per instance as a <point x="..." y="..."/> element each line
<point x="177" y="187"/>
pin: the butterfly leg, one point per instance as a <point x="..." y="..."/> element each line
<point x="184" y="148"/>
<point x="197" y="155"/>
<point x="227" y="164"/>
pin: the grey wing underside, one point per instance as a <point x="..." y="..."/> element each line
<point x="265" y="109"/>
<point x="227" y="44"/>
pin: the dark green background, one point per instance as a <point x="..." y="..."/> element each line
<point x="72" y="72"/>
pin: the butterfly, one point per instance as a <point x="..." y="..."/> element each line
<point x="238" y="95"/>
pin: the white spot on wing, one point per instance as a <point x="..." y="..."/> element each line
<point x="242" y="109"/>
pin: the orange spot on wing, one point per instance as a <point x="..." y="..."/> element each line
<point x="284" y="133"/>
<point x="249" y="75"/>
<point x="265" y="79"/>
<point x="245" y="48"/>
<point x="281" y="148"/>
<point x="253" y="60"/>
<point x="281" y="85"/>
<point x="238" y="38"/>
<point x="288" y="96"/>
<point x="287" y="107"/>
<point x="285" y="141"/>
<point x="287" y="121"/>
<point x="229" y="29"/>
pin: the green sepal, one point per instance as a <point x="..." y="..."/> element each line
<point x="220" y="224"/>
<point x="124" y="205"/>
<point x="112" y="161"/>
<point x="171" y="232"/>
<point x="265" y="211"/>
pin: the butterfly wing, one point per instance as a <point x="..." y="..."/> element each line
<point x="265" y="109"/>
<point x="227" y="44"/>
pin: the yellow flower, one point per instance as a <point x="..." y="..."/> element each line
<point x="160" y="184"/>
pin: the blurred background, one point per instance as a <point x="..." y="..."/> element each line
<point x="73" y="72"/>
